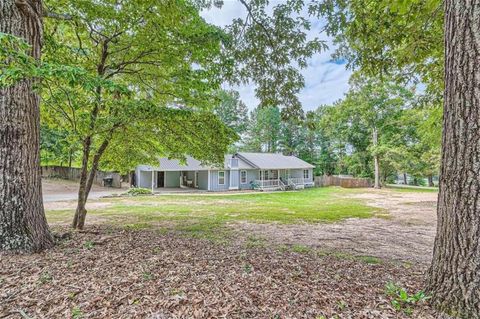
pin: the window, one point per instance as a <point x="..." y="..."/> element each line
<point x="243" y="177"/>
<point x="274" y="174"/>
<point x="306" y="174"/>
<point x="221" y="178"/>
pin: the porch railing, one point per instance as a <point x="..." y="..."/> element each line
<point x="269" y="183"/>
<point x="296" y="180"/>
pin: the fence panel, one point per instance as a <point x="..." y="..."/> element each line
<point x="73" y="174"/>
<point x="346" y="182"/>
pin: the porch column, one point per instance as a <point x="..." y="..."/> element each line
<point x="153" y="179"/>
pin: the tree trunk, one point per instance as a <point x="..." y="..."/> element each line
<point x="86" y="182"/>
<point x="430" y="181"/>
<point x="405" y="180"/>
<point x="375" y="159"/>
<point x="23" y="226"/>
<point x="454" y="275"/>
<point x="81" y="212"/>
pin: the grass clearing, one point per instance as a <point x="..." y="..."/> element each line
<point x="412" y="189"/>
<point x="206" y="216"/>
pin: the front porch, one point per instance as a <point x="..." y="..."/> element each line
<point x="285" y="179"/>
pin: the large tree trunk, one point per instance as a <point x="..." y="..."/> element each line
<point x="23" y="225"/>
<point x="454" y="275"/>
<point x="376" y="161"/>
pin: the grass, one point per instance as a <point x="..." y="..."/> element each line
<point x="208" y="215"/>
<point x="412" y="189"/>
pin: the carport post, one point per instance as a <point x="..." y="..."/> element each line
<point x="153" y="179"/>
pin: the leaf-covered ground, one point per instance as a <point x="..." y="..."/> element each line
<point x="118" y="273"/>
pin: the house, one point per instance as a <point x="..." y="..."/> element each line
<point x="262" y="171"/>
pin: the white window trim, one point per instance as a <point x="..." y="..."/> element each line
<point x="308" y="173"/>
<point x="241" y="177"/>
<point x="219" y="177"/>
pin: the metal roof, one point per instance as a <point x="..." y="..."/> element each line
<point x="246" y="161"/>
<point x="195" y="165"/>
<point x="273" y="161"/>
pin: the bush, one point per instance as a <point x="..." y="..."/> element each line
<point x="138" y="191"/>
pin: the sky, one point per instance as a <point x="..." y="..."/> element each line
<point x="326" y="80"/>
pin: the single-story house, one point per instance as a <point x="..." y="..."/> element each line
<point x="263" y="171"/>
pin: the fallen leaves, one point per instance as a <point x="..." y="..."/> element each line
<point x="143" y="274"/>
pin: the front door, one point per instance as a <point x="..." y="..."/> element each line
<point x="160" y="179"/>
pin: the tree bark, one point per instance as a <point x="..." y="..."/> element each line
<point x="86" y="182"/>
<point x="405" y="180"/>
<point x="81" y="212"/>
<point x="375" y="159"/>
<point x="454" y="275"/>
<point x="23" y="226"/>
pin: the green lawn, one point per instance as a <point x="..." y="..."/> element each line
<point x="412" y="189"/>
<point x="204" y="214"/>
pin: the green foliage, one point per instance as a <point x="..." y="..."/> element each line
<point x="390" y="38"/>
<point x="77" y="313"/>
<point x="15" y="62"/>
<point x="45" y="277"/>
<point x="88" y="244"/>
<point x="232" y="111"/>
<point x="154" y="85"/>
<point x="138" y="191"/>
<point x="370" y="105"/>
<point x="403" y="301"/>
<point x="268" y="49"/>
<point x="264" y="130"/>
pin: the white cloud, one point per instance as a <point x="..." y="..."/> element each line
<point x="325" y="80"/>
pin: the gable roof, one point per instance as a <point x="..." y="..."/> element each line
<point x="246" y="161"/>
<point x="195" y="165"/>
<point x="273" y="161"/>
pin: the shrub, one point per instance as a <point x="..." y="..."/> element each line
<point x="138" y="191"/>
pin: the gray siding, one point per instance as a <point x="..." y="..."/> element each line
<point x="298" y="173"/>
<point x="172" y="179"/>
<point x="234" y="179"/>
<point x="252" y="174"/>
<point x="203" y="180"/>
<point x="214" y="186"/>
<point x="144" y="179"/>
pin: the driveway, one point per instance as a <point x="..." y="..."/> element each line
<point x="57" y="190"/>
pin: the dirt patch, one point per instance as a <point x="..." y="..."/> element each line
<point x="60" y="190"/>
<point x="407" y="235"/>
<point x="142" y="274"/>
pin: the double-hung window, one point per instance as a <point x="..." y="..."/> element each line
<point x="243" y="177"/>
<point x="221" y="178"/>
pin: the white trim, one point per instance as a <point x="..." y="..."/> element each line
<point x="208" y="177"/>
<point x="246" y="176"/>
<point x="308" y="173"/>
<point x="218" y="178"/>
<point x="153" y="180"/>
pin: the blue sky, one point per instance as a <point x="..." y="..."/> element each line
<point x="325" y="80"/>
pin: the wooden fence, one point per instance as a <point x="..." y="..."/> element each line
<point x="73" y="174"/>
<point x="347" y="182"/>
